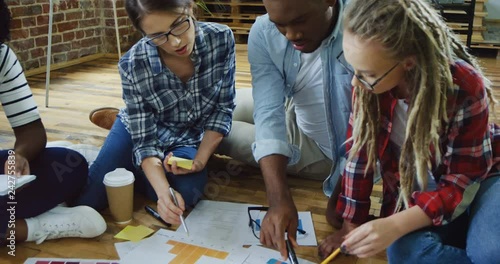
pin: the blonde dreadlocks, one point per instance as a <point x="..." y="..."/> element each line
<point x="408" y="28"/>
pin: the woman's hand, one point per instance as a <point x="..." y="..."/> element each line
<point x="167" y="209"/>
<point x="375" y="236"/>
<point x="176" y="170"/>
<point x="371" y="238"/>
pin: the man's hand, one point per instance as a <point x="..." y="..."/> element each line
<point x="282" y="214"/>
<point x="279" y="218"/>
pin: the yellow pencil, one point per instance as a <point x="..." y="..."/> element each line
<point x="331" y="257"/>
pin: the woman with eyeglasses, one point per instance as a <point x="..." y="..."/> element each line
<point x="420" y="108"/>
<point x="178" y="88"/>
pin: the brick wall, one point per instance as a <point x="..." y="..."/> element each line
<point x="80" y="28"/>
<point x="128" y="34"/>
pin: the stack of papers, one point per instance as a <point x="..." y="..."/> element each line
<point x="171" y="247"/>
<point x="217" y="233"/>
<point x="229" y="222"/>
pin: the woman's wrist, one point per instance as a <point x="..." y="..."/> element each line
<point x="199" y="163"/>
<point x="162" y="192"/>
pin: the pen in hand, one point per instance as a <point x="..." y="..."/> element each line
<point x="291" y="253"/>
<point x="156" y="215"/>
<point x="177" y="204"/>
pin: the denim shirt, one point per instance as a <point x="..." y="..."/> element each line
<point x="274" y="65"/>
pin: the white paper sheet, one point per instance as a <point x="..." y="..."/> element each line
<point x="167" y="246"/>
<point x="305" y="223"/>
<point x="123" y="248"/>
<point x="224" y="221"/>
<point x="261" y="255"/>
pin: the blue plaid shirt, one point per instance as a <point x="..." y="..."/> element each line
<point x="161" y="111"/>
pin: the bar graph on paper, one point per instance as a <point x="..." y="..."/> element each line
<point x="187" y="253"/>
<point x="176" y="248"/>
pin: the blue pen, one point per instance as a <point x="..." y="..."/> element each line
<point x="156" y="215"/>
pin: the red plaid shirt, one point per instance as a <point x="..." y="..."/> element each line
<point x="469" y="148"/>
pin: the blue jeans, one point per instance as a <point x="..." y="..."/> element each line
<point x="116" y="152"/>
<point x="61" y="175"/>
<point x="471" y="238"/>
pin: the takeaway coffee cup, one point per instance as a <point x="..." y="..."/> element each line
<point x="120" y="190"/>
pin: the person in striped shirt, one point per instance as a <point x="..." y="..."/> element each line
<point x="33" y="212"/>
<point x="421" y="108"/>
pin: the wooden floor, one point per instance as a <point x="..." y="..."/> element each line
<point x="76" y="90"/>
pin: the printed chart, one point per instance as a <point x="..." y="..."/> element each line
<point x="171" y="247"/>
<point x="188" y="253"/>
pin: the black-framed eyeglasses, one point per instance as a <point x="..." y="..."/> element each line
<point x="370" y="86"/>
<point x="179" y="29"/>
<point x="255" y="225"/>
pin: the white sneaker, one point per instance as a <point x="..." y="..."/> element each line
<point x="79" y="221"/>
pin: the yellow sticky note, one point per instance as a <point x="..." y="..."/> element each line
<point x="134" y="233"/>
<point x="183" y="163"/>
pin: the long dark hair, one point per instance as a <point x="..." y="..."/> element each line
<point x="137" y="9"/>
<point x="4" y="22"/>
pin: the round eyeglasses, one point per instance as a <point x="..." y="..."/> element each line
<point x="177" y="30"/>
<point x="369" y="86"/>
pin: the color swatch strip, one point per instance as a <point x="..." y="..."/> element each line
<point x="72" y="262"/>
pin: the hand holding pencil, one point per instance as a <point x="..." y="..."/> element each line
<point x="331" y="257"/>
<point x="332" y="243"/>
<point x="168" y="208"/>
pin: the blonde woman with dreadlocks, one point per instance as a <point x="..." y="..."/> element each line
<point x="420" y="108"/>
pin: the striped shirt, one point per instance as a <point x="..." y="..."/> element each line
<point x="161" y="111"/>
<point x="15" y="94"/>
<point x="470" y="150"/>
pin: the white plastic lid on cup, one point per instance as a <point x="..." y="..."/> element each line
<point x="118" y="177"/>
